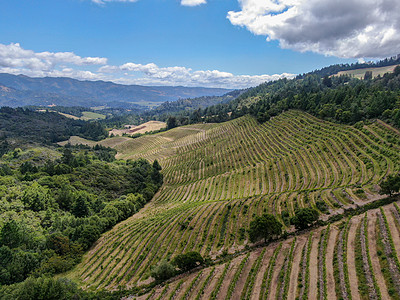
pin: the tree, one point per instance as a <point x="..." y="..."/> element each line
<point x="156" y="165"/>
<point x="265" y="226"/>
<point x="171" y="122"/>
<point x="81" y="205"/>
<point x="46" y="288"/>
<point x="396" y="71"/>
<point x="59" y="243"/>
<point x="37" y="197"/>
<point x="65" y="197"/>
<point x="327" y="81"/>
<point x="304" y="217"/>
<point x="188" y="261"/>
<point x="94" y="131"/>
<point x="10" y="234"/>
<point x="67" y="157"/>
<point x="368" y="75"/>
<point x="163" y="270"/>
<point x="390" y="185"/>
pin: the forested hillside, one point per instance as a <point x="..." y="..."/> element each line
<point x="334" y="69"/>
<point x="340" y="99"/>
<point x="44" y="127"/>
<point x="23" y="90"/>
<point x="183" y="105"/>
<point x="56" y="202"/>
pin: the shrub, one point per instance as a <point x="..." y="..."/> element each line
<point x="265" y="226"/>
<point x="304" y="218"/>
<point x="163" y="270"/>
<point x="188" y="261"/>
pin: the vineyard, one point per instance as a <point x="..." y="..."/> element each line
<point x="357" y="258"/>
<point x="217" y="177"/>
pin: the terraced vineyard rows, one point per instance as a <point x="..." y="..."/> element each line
<point x="218" y="176"/>
<point x="286" y="270"/>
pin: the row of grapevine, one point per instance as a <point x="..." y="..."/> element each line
<point x="219" y="176"/>
<point x="315" y="265"/>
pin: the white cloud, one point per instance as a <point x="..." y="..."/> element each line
<point x="151" y="74"/>
<point x="192" y="2"/>
<point x="104" y="1"/>
<point x="183" y="2"/>
<point x="343" y="28"/>
<point x="14" y="56"/>
<point x="16" y="60"/>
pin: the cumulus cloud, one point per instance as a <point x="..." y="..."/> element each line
<point x="342" y="28"/>
<point x="192" y="2"/>
<point x="155" y="75"/>
<point x="14" y="56"/>
<point x="16" y="60"/>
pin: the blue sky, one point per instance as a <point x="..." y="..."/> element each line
<point x="166" y="42"/>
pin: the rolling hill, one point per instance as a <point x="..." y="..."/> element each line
<point x="20" y="90"/>
<point x="359" y="73"/>
<point x="217" y="177"/>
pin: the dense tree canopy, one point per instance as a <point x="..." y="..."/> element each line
<point x="187" y="261"/>
<point x="45" y="127"/>
<point x="264" y="227"/>
<point x="163" y="270"/>
<point x="304" y="218"/>
<point x="342" y="99"/>
<point x="390" y="185"/>
<point x="52" y="210"/>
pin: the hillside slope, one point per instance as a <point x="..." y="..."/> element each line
<point x="359" y="73"/>
<point x="353" y="258"/>
<point x="218" y="176"/>
<point x="23" y="90"/>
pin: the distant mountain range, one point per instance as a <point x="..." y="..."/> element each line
<point x="21" y="90"/>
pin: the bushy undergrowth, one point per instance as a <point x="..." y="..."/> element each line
<point x="53" y="210"/>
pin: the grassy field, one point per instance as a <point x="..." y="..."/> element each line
<point x="142" y="128"/>
<point x="359" y="73"/>
<point x="86" y="116"/>
<point x="217" y="177"/>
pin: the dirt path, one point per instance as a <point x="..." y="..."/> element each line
<point x="223" y="291"/>
<point x="312" y="293"/>
<point x="182" y="290"/>
<point x="376" y="267"/>
<point x="211" y="285"/>
<point x="255" y="294"/>
<point x="321" y="271"/>
<point x="330" y="279"/>
<point x="196" y="289"/>
<point x="278" y="266"/>
<point x="367" y="270"/>
<point x="341" y="265"/>
<point x="162" y="293"/>
<point x="173" y="294"/>
<point x="245" y="272"/>
<point x="301" y="241"/>
<point x="394" y="271"/>
<point x="351" y="264"/>
<point x="303" y="270"/>
<point x="393" y="229"/>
